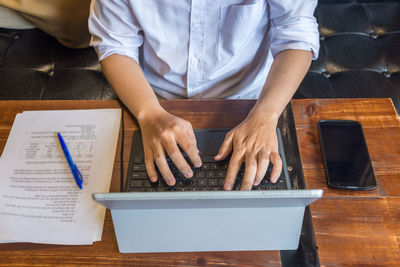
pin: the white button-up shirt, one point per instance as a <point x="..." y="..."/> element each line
<point x="203" y="48"/>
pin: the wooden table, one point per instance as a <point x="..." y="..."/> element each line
<point x="352" y="228"/>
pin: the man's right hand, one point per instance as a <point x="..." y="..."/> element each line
<point x="163" y="132"/>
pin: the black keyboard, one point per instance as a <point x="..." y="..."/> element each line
<point x="209" y="177"/>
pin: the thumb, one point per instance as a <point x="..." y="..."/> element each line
<point x="225" y="148"/>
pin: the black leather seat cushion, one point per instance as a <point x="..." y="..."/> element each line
<point x="359" y="57"/>
<point x="33" y="65"/>
<point x="360" y="51"/>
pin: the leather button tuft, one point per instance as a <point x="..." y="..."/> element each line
<point x="386" y="74"/>
<point x="321" y="37"/>
<point x="16" y="36"/>
<point x="373" y="35"/>
<point x="50" y="72"/>
<point x="326" y="74"/>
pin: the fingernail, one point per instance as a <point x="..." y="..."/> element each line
<point x="153" y="178"/>
<point x="218" y="156"/>
<point x="198" y="165"/>
<point x="188" y="174"/>
<point x="256" y="183"/>
<point x="228" y="187"/>
<point x="274" y="179"/>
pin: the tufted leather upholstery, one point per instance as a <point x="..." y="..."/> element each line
<point x="359" y="57"/>
<point x="360" y="51"/>
<point x="33" y="65"/>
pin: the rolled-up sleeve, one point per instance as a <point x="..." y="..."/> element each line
<point x="114" y="29"/>
<point x="293" y="26"/>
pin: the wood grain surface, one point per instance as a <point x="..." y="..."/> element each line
<point x="352" y="228"/>
<point x="105" y="253"/>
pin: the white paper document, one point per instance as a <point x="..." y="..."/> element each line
<point x="40" y="201"/>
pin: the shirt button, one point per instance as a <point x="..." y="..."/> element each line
<point x="196" y="24"/>
<point x="195" y="61"/>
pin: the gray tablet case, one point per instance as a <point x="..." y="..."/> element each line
<point x="208" y="221"/>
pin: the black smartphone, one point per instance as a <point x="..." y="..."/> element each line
<point x="345" y="154"/>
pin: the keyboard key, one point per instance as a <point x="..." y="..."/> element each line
<point x="136" y="183"/>
<point x="281" y="186"/>
<point x="207" y="158"/>
<point x="221" y="174"/>
<point x="202" y="182"/>
<point x="213" y="182"/>
<point x="189" y="182"/>
<point x="225" y="166"/>
<point x="210" y="174"/>
<point x="214" y="166"/>
<point x="205" y="166"/>
<point x="138" y="167"/>
<point x="178" y="175"/>
<point x="161" y="189"/>
<point x="147" y="183"/>
<point x="138" y="159"/>
<point x="200" y="174"/>
<point x="139" y="175"/>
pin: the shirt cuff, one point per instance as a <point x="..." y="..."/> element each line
<point x="299" y="45"/>
<point x="106" y="51"/>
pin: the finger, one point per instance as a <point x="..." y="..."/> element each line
<point x="149" y="161"/>
<point x="193" y="155"/>
<point x="225" y="148"/>
<point x="188" y="144"/>
<point x="163" y="167"/>
<point x="277" y="169"/>
<point x="249" y="172"/>
<point x="177" y="158"/>
<point x="262" y="167"/>
<point x="233" y="169"/>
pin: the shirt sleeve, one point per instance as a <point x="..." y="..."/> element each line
<point x="293" y="26"/>
<point x="114" y="29"/>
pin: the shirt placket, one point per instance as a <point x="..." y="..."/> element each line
<point x="196" y="48"/>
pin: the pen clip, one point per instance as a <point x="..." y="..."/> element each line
<point x="78" y="176"/>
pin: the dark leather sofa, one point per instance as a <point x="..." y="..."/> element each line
<point x="359" y="57"/>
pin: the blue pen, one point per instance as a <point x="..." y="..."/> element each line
<point x="72" y="165"/>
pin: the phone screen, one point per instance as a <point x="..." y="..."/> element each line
<point x="345" y="153"/>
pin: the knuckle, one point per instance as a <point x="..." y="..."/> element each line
<point x="229" y="134"/>
<point x="188" y="125"/>
<point x="148" y="160"/>
<point x="174" y="155"/>
<point x="251" y="165"/>
<point x="158" y="157"/>
<point x="175" y="127"/>
<point x="164" y="135"/>
<point x="278" y="160"/>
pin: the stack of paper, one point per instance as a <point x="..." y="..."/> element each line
<point x="40" y="201"/>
